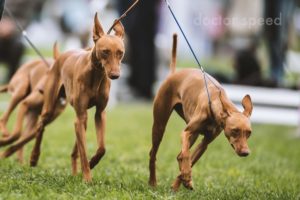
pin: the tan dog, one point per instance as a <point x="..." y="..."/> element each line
<point x="184" y="92"/>
<point x="84" y="77"/>
<point x="20" y="86"/>
<point x="22" y="83"/>
<point x="28" y="81"/>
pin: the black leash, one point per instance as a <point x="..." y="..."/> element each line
<point x="2" y="2"/>
<point x="122" y="16"/>
<point x="199" y="64"/>
<point x="24" y="33"/>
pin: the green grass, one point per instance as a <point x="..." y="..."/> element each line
<point x="270" y="172"/>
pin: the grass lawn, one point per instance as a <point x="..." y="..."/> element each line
<point x="272" y="171"/>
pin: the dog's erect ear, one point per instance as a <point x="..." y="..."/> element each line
<point x="225" y="103"/>
<point x="56" y="52"/>
<point x="247" y="104"/>
<point x="98" y="30"/>
<point x="119" y="29"/>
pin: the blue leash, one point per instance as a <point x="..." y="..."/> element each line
<point x="190" y="47"/>
<point x="187" y="41"/>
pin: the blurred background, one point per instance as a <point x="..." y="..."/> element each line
<point x="251" y="46"/>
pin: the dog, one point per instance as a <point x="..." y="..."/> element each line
<point x="22" y="83"/>
<point x="84" y="78"/>
<point x="184" y="91"/>
<point x="26" y="87"/>
<point x="19" y="87"/>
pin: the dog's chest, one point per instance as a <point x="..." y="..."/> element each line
<point x="89" y="88"/>
<point x="210" y="127"/>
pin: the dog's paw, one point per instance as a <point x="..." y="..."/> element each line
<point x="33" y="163"/>
<point x="5" y="134"/>
<point x="34" y="159"/>
<point x="176" y="184"/>
<point x="186" y="179"/>
<point x="87" y="178"/>
<point x="188" y="184"/>
<point x="152" y="183"/>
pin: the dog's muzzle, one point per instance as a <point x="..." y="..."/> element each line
<point x="114" y="75"/>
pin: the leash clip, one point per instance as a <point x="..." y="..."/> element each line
<point x="24" y="33"/>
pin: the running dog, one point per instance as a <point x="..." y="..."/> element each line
<point x="27" y="88"/>
<point x="84" y="78"/>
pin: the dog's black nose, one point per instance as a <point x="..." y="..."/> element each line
<point x="244" y="153"/>
<point x="113" y="76"/>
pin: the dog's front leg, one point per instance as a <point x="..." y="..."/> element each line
<point x="196" y="155"/>
<point x="201" y="148"/>
<point x="100" y="120"/>
<point x="176" y="184"/>
<point x="184" y="160"/>
<point x="80" y="129"/>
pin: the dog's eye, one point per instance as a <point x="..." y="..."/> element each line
<point x="248" y="134"/>
<point x="120" y="54"/>
<point x="235" y="133"/>
<point x="105" y="53"/>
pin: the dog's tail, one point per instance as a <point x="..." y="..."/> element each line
<point x="56" y="52"/>
<point x="174" y="53"/>
<point x="3" y="88"/>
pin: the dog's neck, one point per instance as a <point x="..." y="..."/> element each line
<point x="219" y="117"/>
<point x="221" y="111"/>
<point x="96" y="64"/>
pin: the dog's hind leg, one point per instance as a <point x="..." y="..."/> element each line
<point x="49" y="97"/>
<point x="36" y="151"/>
<point x="17" y="95"/>
<point x="31" y="120"/>
<point x="162" y="110"/>
<point x="74" y="157"/>
<point x="19" y="144"/>
<point x="35" y="99"/>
